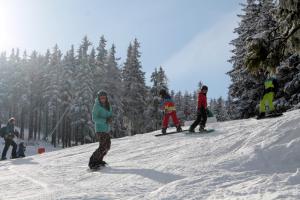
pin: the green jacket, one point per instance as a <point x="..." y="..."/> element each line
<point x="9" y="131"/>
<point x="100" y="117"/>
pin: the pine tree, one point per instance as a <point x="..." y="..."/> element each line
<point x="246" y="87"/>
<point x="3" y="86"/>
<point x="45" y="94"/>
<point x="53" y="91"/>
<point x="112" y="82"/>
<point x="187" y="106"/>
<point x="84" y="96"/>
<point x="35" y="71"/>
<point x="179" y="103"/>
<point x="102" y="52"/>
<point x="99" y="72"/>
<point x="68" y="94"/>
<point x="260" y="54"/>
<point x="159" y="81"/>
<point x="288" y="48"/>
<point x="135" y="90"/>
<point x="220" y="110"/>
<point x="213" y="106"/>
<point x="268" y="41"/>
<point x="194" y="106"/>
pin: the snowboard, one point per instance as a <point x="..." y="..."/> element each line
<point x="200" y="132"/>
<point x="169" y="133"/>
<point x="270" y="116"/>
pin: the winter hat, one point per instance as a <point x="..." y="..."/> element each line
<point x="101" y="93"/>
<point x="11" y="119"/>
<point x="163" y="92"/>
<point x="204" y="87"/>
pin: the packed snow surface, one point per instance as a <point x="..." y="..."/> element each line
<point x="243" y="159"/>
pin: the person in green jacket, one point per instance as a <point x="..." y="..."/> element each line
<point x="9" y="135"/>
<point x="101" y="116"/>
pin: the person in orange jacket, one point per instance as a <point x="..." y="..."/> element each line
<point x="168" y="106"/>
<point x="201" y="111"/>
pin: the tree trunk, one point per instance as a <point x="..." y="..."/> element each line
<point x="40" y="123"/>
<point x="58" y="128"/>
<point x="63" y="133"/>
<point x="30" y="128"/>
<point x="35" y="127"/>
<point x="46" y="122"/>
<point x="76" y="135"/>
<point x="69" y="133"/>
<point x="81" y="134"/>
<point x="53" y="141"/>
<point x="22" y="124"/>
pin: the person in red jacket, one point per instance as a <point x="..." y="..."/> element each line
<point x="168" y="106"/>
<point x="201" y="111"/>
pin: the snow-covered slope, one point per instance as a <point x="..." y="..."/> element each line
<point x="245" y="159"/>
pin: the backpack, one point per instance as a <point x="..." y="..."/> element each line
<point x="3" y="131"/>
<point x="21" y="150"/>
<point x="209" y="113"/>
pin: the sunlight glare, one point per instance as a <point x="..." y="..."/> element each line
<point x="5" y="37"/>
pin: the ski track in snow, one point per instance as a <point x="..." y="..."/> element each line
<point x="242" y="159"/>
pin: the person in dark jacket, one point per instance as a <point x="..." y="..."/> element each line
<point x="168" y="107"/>
<point x="9" y="135"/>
<point x="271" y="87"/>
<point x="101" y="116"/>
<point x="201" y="110"/>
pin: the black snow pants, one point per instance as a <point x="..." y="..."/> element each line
<point x="104" y="145"/>
<point x="201" y="119"/>
<point x="9" y="142"/>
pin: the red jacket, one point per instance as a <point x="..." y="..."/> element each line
<point x="202" y="100"/>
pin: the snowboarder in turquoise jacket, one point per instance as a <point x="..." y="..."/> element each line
<point x="101" y="115"/>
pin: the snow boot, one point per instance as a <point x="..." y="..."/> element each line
<point x="261" y="115"/>
<point x="163" y="130"/>
<point x="275" y="113"/>
<point x="178" y="128"/>
<point x="96" y="166"/>
<point x="191" y="130"/>
<point x="103" y="163"/>
<point x="94" y="163"/>
<point x="202" y="129"/>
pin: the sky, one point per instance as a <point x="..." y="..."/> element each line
<point x="188" y="38"/>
